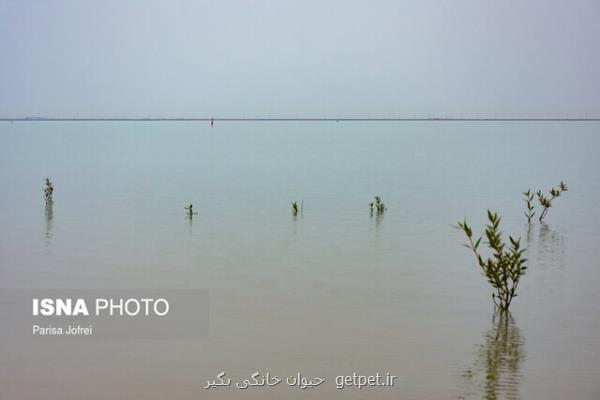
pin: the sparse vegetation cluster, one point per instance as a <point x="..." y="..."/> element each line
<point x="503" y="269"/>
<point x="507" y="265"/>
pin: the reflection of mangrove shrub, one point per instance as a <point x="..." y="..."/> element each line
<point x="377" y="205"/>
<point x="506" y="266"/>
<point x="546" y="201"/>
<point x="528" y="197"/>
<point x="48" y="190"/>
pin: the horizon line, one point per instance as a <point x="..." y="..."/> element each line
<point x="298" y="119"/>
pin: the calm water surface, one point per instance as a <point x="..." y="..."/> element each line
<point x="329" y="292"/>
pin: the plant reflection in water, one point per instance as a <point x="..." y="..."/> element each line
<point x="495" y="373"/>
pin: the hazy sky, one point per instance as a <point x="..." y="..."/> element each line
<point x="299" y="58"/>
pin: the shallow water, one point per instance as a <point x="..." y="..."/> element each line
<point x="329" y="292"/>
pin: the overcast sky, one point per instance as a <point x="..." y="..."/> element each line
<point x="299" y="58"/>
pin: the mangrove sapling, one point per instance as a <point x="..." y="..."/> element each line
<point x="48" y="190"/>
<point x="297" y="209"/>
<point x="546" y="202"/>
<point x="190" y="211"/>
<point x="377" y="205"/>
<point x="504" y="269"/>
<point x="528" y="197"/>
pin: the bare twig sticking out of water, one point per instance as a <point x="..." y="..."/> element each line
<point x="546" y="202"/>
<point x="504" y="270"/>
<point x="48" y="190"/>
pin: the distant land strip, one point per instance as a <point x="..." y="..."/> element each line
<point x="42" y="119"/>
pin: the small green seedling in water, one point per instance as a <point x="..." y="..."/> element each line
<point x="377" y="205"/>
<point x="504" y="270"/>
<point x="528" y="197"/>
<point x="48" y="190"/>
<point x="296" y="209"/>
<point x="546" y="202"/>
<point x="190" y="211"/>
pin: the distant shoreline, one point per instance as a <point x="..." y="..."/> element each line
<point x="31" y="119"/>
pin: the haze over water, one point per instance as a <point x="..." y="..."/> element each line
<point x="329" y="292"/>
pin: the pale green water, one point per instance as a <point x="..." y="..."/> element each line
<point x="327" y="293"/>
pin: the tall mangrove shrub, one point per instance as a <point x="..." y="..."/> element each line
<point x="504" y="269"/>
